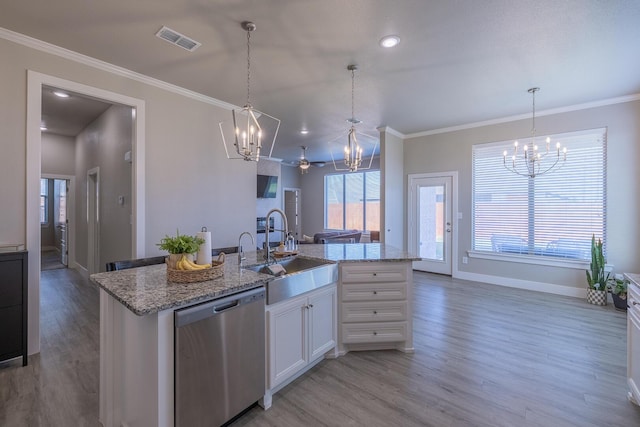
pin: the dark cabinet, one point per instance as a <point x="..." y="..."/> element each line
<point x="13" y="305"/>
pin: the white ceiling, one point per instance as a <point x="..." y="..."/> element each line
<point x="459" y="61"/>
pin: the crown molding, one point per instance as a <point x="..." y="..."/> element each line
<point x="577" y="107"/>
<point x="61" y="52"/>
<point x="391" y="131"/>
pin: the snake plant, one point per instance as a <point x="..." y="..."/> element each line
<point x="596" y="276"/>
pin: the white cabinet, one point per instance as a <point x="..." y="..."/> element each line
<point x="633" y="342"/>
<point x="375" y="306"/>
<point x="300" y="331"/>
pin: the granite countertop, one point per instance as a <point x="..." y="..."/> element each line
<point x="145" y="290"/>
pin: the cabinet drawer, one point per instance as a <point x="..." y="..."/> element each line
<point x="390" y="272"/>
<point x="374" y="292"/>
<point x="360" y="333"/>
<point x="383" y="311"/>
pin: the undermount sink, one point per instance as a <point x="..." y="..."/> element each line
<point x="302" y="275"/>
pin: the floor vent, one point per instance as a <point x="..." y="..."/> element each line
<point x="177" y="39"/>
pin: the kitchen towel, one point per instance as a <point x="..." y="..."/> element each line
<point x="204" y="252"/>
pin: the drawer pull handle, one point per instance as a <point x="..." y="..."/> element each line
<point x="375" y="312"/>
<point x="635" y="302"/>
<point x="375" y="292"/>
<point x="375" y="333"/>
<point x="375" y="274"/>
<point x="310" y="305"/>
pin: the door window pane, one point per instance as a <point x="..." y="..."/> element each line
<point x="431" y="222"/>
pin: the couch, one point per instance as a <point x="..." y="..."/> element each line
<point x="342" y="235"/>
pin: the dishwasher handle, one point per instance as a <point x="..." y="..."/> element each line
<point x="217" y="307"/>
<point x="226" y="306"/>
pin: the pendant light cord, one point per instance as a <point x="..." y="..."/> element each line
<point x="248" y="67"/>
<point x="353" y="89"/>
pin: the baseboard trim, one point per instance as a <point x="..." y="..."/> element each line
<point x="550" y="288"/>
<point x="80" y="269"/>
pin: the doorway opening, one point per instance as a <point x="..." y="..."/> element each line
<point x="56" y="232"/>
<point x="36" y="84"/>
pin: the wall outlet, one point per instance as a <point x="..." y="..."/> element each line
<point x="465" y="260"/>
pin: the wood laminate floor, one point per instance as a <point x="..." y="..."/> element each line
<point x="484" y="356"/>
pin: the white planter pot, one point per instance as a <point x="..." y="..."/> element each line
<point x="596" y="297"/>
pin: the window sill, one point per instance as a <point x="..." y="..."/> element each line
<point x="528" y="259"/>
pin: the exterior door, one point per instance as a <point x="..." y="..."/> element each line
<point x="431" y="224"/>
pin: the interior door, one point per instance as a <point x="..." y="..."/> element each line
<point x="431" y="222"/>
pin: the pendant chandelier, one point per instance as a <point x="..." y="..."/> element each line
<point x="353" y="151"/>
<point x="304" y="164"/>
<point x="532" y="161"/>
<point x="254" y="132"/>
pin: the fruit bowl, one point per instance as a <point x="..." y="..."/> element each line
<point x="200" y="275"/>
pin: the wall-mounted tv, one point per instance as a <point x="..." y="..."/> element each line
<point x="267" y="186"/>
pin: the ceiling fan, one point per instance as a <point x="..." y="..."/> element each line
<point x="304" y="164"/>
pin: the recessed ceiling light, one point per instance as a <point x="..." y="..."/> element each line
<point x="389" y="41"/>
<point x="304" y="131"/>
<point x="61" y="94"/>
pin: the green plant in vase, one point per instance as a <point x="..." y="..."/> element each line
<point x="597" y="278"/>
<point x="179" y="246"/>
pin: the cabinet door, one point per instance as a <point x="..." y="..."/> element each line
<point x="322" y="322"/>
<point x="287" y="339"/>
<point x="10" y="332"/>
<point x="11" y="283"/>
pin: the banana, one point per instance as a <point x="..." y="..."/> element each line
<point x="180" y="263"/>
<point x="194" y="266"/>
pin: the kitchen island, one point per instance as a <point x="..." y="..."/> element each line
<point x="137" y="321"/>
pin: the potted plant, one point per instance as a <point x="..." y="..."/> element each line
<point x="596" y="276"/>
<point x="619" y="292"/>
<point x="179" y="246"/>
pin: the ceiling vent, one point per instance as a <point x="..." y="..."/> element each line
<point x="174" y="37"/>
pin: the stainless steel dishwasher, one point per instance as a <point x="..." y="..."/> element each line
<point x="219" y="358"/>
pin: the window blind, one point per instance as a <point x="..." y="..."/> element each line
<point x="554" y="214"/>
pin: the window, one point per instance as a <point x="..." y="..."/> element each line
<point x="352" y="201"/>
<point x="44" y="201"/>
<point x="551" y="215"/>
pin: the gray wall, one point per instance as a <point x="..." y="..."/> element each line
<point x="451" y="151"/>
<point x="291" y="176"/>
<point x="103" y="144"/>
<point x="58" y="154"/>
<point x="189" y="181"/>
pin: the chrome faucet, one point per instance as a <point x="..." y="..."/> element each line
<point x="266" y="232"/>
<point x="241" y="256"/>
